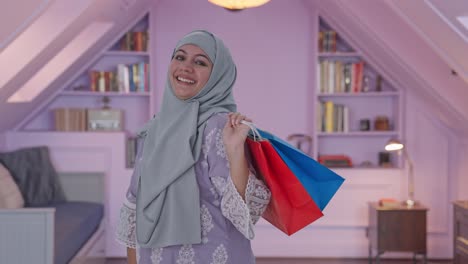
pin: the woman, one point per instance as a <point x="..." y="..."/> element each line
<point x="193" y="197"/>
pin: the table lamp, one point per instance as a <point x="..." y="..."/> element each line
<point x="397" y="145"/>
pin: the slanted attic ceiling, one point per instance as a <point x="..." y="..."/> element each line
<point x="414" y="42"/>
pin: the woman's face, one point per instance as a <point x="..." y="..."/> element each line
<point x="189" y="71"/>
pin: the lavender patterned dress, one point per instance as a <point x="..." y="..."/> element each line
<point x="227" y="220"/>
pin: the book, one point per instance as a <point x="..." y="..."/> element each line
<point x="389" y="202"/>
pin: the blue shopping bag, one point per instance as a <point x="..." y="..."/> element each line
<point x="320" y="182"/>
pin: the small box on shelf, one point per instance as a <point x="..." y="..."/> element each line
<point x="105" y="120"/>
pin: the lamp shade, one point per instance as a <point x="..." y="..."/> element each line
<point x="394" y="145"/>
<point x="238" y="4"/>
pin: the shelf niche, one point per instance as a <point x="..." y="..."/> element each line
<point x="127" y="89"/>
<point x="351" y="95"/>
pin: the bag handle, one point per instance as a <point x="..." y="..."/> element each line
<point x="254" y="130"/>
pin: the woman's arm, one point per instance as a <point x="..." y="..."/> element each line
<point x="243" y="197"/>
<point x="234" y="135"/>
<point x="131" y="256"/>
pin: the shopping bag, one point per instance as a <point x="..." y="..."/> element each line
<point x="320" y="182"/>
<point x="291" y="208"/>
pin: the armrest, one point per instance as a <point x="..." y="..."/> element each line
<point x="29" y="227"/>
<point x="26" y="210"/>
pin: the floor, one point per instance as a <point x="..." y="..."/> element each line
<point x="318" y="261"/>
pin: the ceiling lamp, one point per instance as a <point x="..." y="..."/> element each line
<point x="238" y="4"/>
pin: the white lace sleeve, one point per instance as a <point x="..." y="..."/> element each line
<point x="236" y="210"/>
<point x="257" y="197"/>
<point x="126" y="226"/>
<point x="243" y="215"/>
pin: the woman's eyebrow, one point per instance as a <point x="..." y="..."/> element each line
<point x="196" y="55"/>
<point x="204" y="56"/>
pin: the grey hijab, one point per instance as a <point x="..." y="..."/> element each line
<point x="168" y="202"/>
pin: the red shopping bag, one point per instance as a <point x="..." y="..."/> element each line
<point x="291" y="208"/>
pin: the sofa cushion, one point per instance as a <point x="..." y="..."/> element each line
<point x="10" y="195"/>
<point x="75" y="223"/>
<point x="37" y="179"/>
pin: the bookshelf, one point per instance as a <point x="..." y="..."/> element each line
<point x="121" y="74"/>
<point x="357" y="109"/>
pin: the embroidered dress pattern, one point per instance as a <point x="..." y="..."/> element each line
<point x="186" y="254"/>
<point x="207" y="223"/>
<point x="219" y="144"/>
<point x="219" y="184"/>
<point x="226" y="219"/>
<point x="220" y="255"/>
<point x="208" y="139"/>
<point x="156" y="255"/>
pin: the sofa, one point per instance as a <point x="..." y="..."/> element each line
<point x="38" y="222"/>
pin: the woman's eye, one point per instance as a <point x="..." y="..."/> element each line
<point x="179" y="57"/>
<point x="202" y="63"/>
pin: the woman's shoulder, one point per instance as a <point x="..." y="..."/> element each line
<point x="217" y="120"/>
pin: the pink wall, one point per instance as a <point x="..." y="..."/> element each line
<point x="270" y="45"/>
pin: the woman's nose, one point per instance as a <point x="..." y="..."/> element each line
<point x="186" y="66"/>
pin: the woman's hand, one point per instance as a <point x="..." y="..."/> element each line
<point x="235" y="133"/>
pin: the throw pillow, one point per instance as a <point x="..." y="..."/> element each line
<point x="37" y="178"/>
<point x="10" y="195"/>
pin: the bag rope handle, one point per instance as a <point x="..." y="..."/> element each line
<point x="254" y="130"/>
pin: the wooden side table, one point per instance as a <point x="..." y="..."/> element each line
<point x="460" y="232"/>
<point x="397" y="228"/>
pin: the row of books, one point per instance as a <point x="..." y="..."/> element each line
<point x="134" y="41"/>
<point x="126" y="78"/>
<point x="332" y="117"/>
<point x="70" y="119"/>
<point x="340" y="77"/>
<point x="327" y="41"/>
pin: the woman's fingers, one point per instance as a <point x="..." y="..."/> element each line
<point x="236" y="118"/>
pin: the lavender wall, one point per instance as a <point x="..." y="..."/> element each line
<point x="270" y="45"/>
